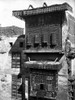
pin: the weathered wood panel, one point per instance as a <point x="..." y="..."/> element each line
<point x="16" y="83"/>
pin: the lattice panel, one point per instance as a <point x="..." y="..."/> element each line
<point x="16" y="60"/>
<point x="15" y="86"/>
<point x="43" y="84"/>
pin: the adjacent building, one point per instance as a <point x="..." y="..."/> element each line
<point x="8" y="65"/>
<point x="16" y="63"/>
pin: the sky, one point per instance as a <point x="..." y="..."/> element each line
<point x="7" y="6"/>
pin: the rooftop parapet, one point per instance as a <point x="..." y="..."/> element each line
<point x="21" y="14"/>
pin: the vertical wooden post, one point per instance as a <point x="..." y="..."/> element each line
<point x="23" y="87"/>
<point x="56" y="83"/>
<point x="23" y="59"/>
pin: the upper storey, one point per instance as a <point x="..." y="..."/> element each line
<point x="22" y="14"/>
<point x="43" y="27"/>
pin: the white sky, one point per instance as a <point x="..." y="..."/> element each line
<point x="7" y="6"/>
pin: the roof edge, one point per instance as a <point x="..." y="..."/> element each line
<point x="40" y="10"/>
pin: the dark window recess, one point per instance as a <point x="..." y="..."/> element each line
<point x="53" y="41"/>
<point x="20" y="89"/>
<point x="0" y="39"/>
<point x="28" y="41"/>
<point x="11" y="44"/>
<point x="36" y="40"/>
<point x="41" y="86"/>
<point x="21" y="44"/>
<point x="45" y="40"/>
<point x="44" y="44"/>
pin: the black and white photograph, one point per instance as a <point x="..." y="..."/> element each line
<point x="37" y="49"/>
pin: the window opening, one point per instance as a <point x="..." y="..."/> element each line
<point x="11" y="44"/>
<point x="52" y="41"/>
<point x="41" y="86"/>
<point x="21" y="44"/>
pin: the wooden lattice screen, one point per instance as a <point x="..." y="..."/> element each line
<point x="16" y="83"/>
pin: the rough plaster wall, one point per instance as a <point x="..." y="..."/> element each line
<point x="5" y="68"/>
<point x="64" y="34"/>
<point x="68" y="29"/>
<point x="73" y="67"/>
<point x="63" y="72"/>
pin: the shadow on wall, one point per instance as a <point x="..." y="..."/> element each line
<point x="62" y="93"/>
